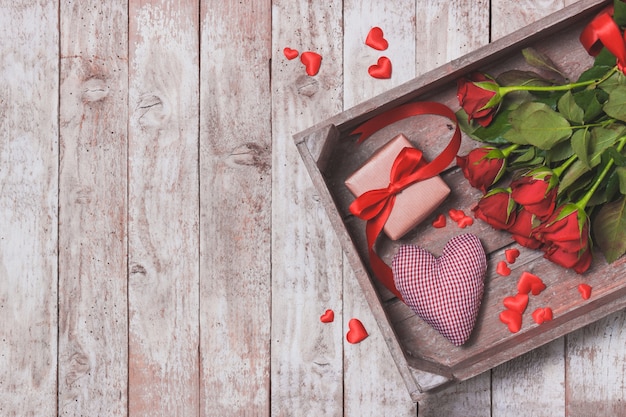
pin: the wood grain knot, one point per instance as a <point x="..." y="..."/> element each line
<point x="250" y="154"/>
<point x="152" y="111"/>
<point x="307" y="86"/>
<point x="137" y="269"/>
<point x="94" y="89"/>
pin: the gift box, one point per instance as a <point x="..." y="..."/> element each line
<point x="413" y="204"/>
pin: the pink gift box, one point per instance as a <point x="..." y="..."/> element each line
<point x="413" y="204"/>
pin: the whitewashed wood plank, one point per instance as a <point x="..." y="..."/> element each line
<point x="468" y="398"/>
<point x="596" y="368"/>
<point x="508" y="16"/>
<point x="447" y="30"/>
<point x="532" y="384"/>
<point x="28" y="208"/>
<point x="93" y="315"/>
<point x="163" y="209"/>
<point x="235" y="227"/>
<point x="307" y="377"/>
<point x="372" y="384"/>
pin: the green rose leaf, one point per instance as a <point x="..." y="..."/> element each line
<point x="570" y="109"/>
<point x="580" y="145"/>
<point x="538" y="60"/>
<point x="616" y="104"/>
<point x="591" y="102"/>
<point x="491" y="134"/>
<point x="619" y="13"/>
<point x="621" y="175"/>
<point x="537" y="124"/>
<point x="609" y="229"/>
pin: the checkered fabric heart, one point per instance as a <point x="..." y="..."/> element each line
<point x="446" y="292"/>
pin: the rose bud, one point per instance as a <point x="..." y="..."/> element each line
<point x="479" y="95"/>
<point x="496" y="208"/>
<point x="567" y="229"/>
<point x="482" y="167"/>
<point x="536" y="191"/>
<point x="522" y="229"/>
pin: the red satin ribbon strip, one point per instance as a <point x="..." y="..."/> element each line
<point x="409" y="167"/>
<point x="602" y="31"/>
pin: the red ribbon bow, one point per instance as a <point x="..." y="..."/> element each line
<point x="375" y="206"/>
<point x="601" y="32"/>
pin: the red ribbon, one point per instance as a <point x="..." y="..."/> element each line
<point x="602" y="31"/>
<point x="375" y="206"/>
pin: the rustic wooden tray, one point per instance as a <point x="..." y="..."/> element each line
<point x="425" y="359"/>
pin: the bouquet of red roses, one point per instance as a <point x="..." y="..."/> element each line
<point x="561" y="146"/>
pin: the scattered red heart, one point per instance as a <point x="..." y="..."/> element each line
<point x="585" y="291"/>
<point x="382" y="69"/>
<point x="541" y="315"/>
<point x="517" y="303"/>
<point x="439" y="222"/>
<point x="530" y="283"/>
<point x="503" y="269"/>
<point x="465" y="221"/>
<point x="376" y="40"/>
<point x="290" y="53"/>
<point x="312" y="62"/>
<point x="513" y="319"/>
<point x="357" y="332"/>
<point x="456" y="215"/>
<point x="511" y="255"/>
<point x="328" y="316"/>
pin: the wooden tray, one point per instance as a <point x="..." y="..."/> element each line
<point x="426" y="360"/>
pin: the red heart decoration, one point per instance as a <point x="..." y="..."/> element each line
<point x="517" y="303"/>
<point x="376" y="40"/>
<point x="290" y="53"/>
<point x="513" y="319"/>
<point x="541" y="315"/>
<point x="503" y="269"/>
<point x="511" y="255"/>
<point x="382" y="69"/>
<point x="439" y="222"/>
<point x="357" y="332"/>
<point x="446" y="292"/>
<point x="328" y="316"/>
<point x="530" y="283"/>
<point x="456" y="215"/>
<point x="312" y="62"/>
<point x="585" y="291"/>
<point x="465" y="221"/>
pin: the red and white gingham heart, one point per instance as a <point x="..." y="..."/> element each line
<point x="446" y="292"/>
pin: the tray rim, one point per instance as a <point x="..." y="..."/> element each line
<point x="422" y="382"/>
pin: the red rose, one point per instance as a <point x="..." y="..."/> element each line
<point x="536" y="192"/>
<point x="567" y="229"/>
<point x="522" y="230"/>
<point x="496" y="208"/>
<point x="579" y="261"/>
<point x="479" y="96"/>
<point x="482" y="167"/>
<point x="566" y="235"/>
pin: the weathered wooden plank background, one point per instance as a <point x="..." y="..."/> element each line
<point x="162" y="249"/>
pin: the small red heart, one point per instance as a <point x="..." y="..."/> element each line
<point x="516" y="303"/>
<point x="465" y="221"/>
<point x="585" y="291"/>
<point x="439" y="222"/>
<point x="513" y="319"/>
<point x="382" y="69"/>
<point x="530" y="283"/>
<point x="541" y="315"/>
<point x="312" y="61"/>
<point x="511" y="255"/>
<point x="290" y="53"/>
<point x="456" y="215"/>
<point x="357" y="332"/>
<point x="328" y="316"/>
<point x="503" y="269"/>
<point x="376" y="40"/>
